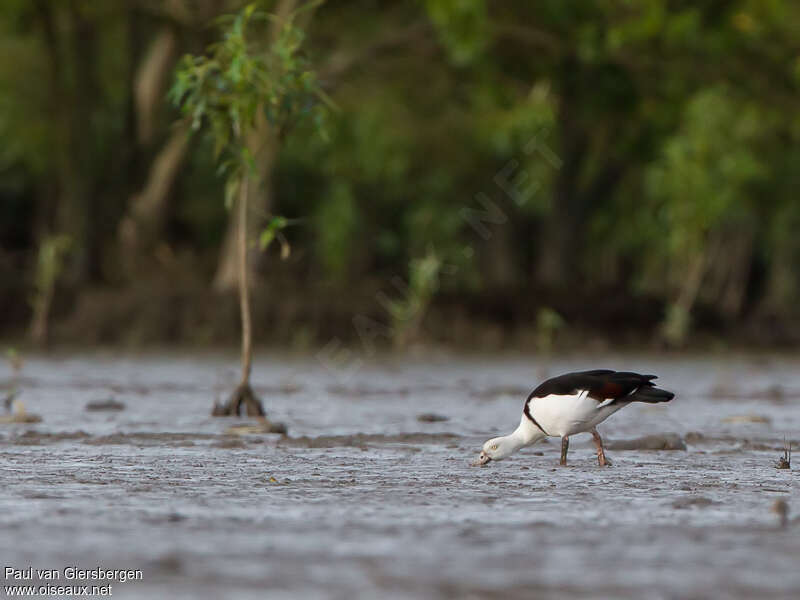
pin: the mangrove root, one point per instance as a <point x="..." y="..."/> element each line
<point x="242" y="396"/>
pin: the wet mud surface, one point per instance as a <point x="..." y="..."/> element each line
<point x="364" y="500"/>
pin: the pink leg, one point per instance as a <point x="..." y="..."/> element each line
<point x="601" y="455"/>
<point x="564" y="448"/>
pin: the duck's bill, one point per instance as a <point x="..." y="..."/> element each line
<point x="481" y="460"/>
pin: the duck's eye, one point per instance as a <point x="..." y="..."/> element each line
<point x="494" y="446"/>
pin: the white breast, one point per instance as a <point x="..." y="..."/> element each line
<point x="565" y="415"/>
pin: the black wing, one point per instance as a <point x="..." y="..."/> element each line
<point x="604" y="384"/>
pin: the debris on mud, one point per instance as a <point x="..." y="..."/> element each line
<point x="145" y="439"/>
<point x="8" y="401"/>
<point x="431" y="418"/>
<point x="168" y="564"/>
<point x="109" y="404"/>
<point x="361" y="440"/>
<point x="286" y="388"/>
<point x="735" y="443"/>
<point x="738" y="419"/>
<point x="19" y="418"/>
<point x="228" y="442"/>
<point x="663" y="441"/>
<point x="363" y="391"/>
<point x="688" y="502"/>
<point x="261" y="425"/>
<point x="694" y="437"/>
<point x="18" y="414"/>
<point x="41" y="438"/>
<point x="781" y="508"/>
<point x="775" y="393"/>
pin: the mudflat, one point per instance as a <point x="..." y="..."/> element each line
<point x="363" y="499"/>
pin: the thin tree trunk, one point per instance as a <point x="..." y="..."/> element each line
<point x="70" y="49"/>
<point x="244" y="291"/>
<point x="677" y="325"/>
<point x="691" y="285"/>
<point x="143" y="220"/>
<point x="499" y="265"/>
<point x="263" y="144"/>
<point x="740" y="262"/>
<point x="39" y="330"/>
<point x="79" y="207"/>
<point x="151" y="79"/>
<point x="244" y="395"/>
<point x="561" y="240"/>
<point x="141" y="225"/>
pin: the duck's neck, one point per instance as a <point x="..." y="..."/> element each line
<point x="526" y="434"/>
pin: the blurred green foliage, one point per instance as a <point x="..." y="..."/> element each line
<point x="243" y="78"/>
<point x="645" y="149"/>
<point x="408" y="310"/>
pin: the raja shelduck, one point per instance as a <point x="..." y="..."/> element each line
<point x="573" y="403"/>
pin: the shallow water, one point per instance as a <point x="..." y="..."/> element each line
<point x="327" y="513"/>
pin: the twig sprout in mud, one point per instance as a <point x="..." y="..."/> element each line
<point x="785" y="461"/>
<point x="15" y="362"/>
<point x="13" y="409"/>
<point x="8" y="401"/>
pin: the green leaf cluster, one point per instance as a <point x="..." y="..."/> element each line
<point x="256" y="71"/>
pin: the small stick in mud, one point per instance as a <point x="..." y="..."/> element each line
<point x="785" y="461"/>
<point x="16" y="363"/>
<point x="8" y="402"/>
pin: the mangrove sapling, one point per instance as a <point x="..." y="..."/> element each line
<point x="785" y="461"/>
<point x="14" y="410"/>
<point x="245" y="79"/>
<point x="49" y="265"/>
<point x="15" y="362"/>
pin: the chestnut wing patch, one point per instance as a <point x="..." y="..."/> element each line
<point x="608" y="390"/>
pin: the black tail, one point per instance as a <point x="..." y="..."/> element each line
<point x="651" y="395"/>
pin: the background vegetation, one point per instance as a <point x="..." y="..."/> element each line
<point x="492" y="173"/>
